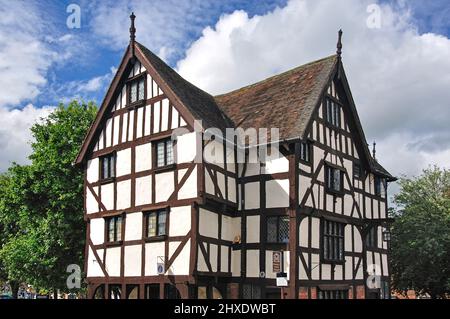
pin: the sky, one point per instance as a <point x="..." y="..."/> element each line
<point x="396" y="55"/>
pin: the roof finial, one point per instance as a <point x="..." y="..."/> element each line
<point x="339" y="44"/>
<point x="374" y="151"/>
<point x="132" y="32"/>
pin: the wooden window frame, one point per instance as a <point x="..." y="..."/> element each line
<point x="104" y="179"/>
<point x="157" y="237"/>
<point x="378" y="185"/>
<point x="327" y="118"/>
<point x="129" y="83"/>
<point x="339" y="192"/>
<point x="305" y="152"/>
<point x="332" y="293"/>
<point x="155" y="157"/>
<point x="359" y="176"/>
<point x="122" y="230"/>
<point x="278" y="218"/>
<point x="334" y="240"/>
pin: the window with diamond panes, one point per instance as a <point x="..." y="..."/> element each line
<point x="250" y="291"/>
<point x="333" y="241"/>
<point x="278" y="229"/>
<point x="114" y="230"/>
<point x="164" y="153"/>
<point x="333" y="294"/>
<point x="137" y="90"/>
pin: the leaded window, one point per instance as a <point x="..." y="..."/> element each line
<point x="379" y="186"/>
<point x="164" y="153"/>
<point x="108" y="166"/>
<point x="334" y="179"/>
<point x="333" y="112"/>
<point x="333" y="294"/>
<point x="137" y="90"/>
<point x="278" y="229"/>
<point x="305" y="151"/>
<point x="114" y="228"/>
<point x="332" y="241"/>
<point x="372" y="237"/>
<point x="156" y="223"/>
<point x="250" y="291"/>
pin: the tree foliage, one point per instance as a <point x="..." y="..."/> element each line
<point x="41" y="204"/>
<point x="421" y="234"/>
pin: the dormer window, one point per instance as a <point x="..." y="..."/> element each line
<point x="136" y="90"/>
<point x="333" y="112"/>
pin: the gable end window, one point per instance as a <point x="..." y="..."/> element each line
<point x="333" y="112"/>
<point x="114" y="229"/>
<point x="278" y="229"/>
<point x="136" y="89"/>
<point x="164" y="153"/>
<point x="155" y="223"/>
<point x="334" y="179"/>
<point x="332" y="241"/>
<point x="305" y="151"/>
<point x="108" y="166"/>
<point x="379" y="186"/>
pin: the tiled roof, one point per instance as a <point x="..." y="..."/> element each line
<point x="285" y="101"/>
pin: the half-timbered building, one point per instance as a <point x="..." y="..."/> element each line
<point x="166" y="221"/>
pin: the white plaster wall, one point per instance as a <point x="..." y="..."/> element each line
<point x="148" y="120"/>
<point x="302" y="271"/>
<point x="180" y="220"/>
<point x="123" y="162"/>
<point x="348" y="237"/>
<point x="252" y="195"/>
<point x="143" y="157"/>
<point x="133" y="226"/>
<point x="93" y="267"/>
<point x="174" y="119"/>
<point x="231" y="189"/>
<point x="221" y="183"/>
<point x="108" y="132"/>
<point x="186" y="147"/>
<point x="108" y="196"/>
<point x="116" y="130"/>
<point x="164" y="186"/>
<point x="152" y="251"/>
<point x="326" y="272"/>
<point x="143" y="190"/>
<point x="189" y="189"/>
<point x="338" y="272"/>
<point x="124" y="137"/>
<point x="201" y="263"/>
<point x="156" y="114"/>
<point x="132" y="260"/>
<point x="348" y="268"/>
<point x="213" y="257"/>
<point x="253" y="263"/>
<point x="231" y="227"/>
<point x="278" y="165"/>
<point x="91" y="202"/>
<point x="92" y="170"/>
<point x="303" y="233"/>
<point x="140" y="122"/>
<point x="315" y="271"/>
<point x="112" y="262"/>
<point x="224" y="259"/>
<point x="97" y="231"/>
<point x="358" y="240"/>
<point x="385" y="264"/>
<point x="315" y="232"/>
<point x="253" y="229"/>
<point x="209" y="185"/>
<point x="277" y="193"/>
<point x="208" y="223"/>
<point x="165" y="115"/>
<point x="180" y="265"/>
<point x="124" y="194"/>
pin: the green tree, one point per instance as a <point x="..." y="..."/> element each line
<point x="41" y="204"/>
<point x="421" y="234"/>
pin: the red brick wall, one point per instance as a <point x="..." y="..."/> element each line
<point x="360" y="292"/>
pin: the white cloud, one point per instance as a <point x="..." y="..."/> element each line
<point x="15" y="134"/>
<point x="400" y="79"/>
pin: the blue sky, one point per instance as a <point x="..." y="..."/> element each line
<point x="398" y="71"/>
